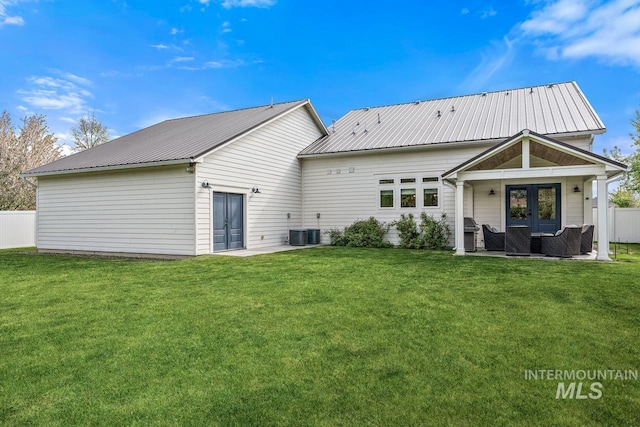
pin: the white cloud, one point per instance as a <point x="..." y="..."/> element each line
<point x="53" y="93"/>
<point x="175" y="31"/>
<point x="576" y="29"/>
<point x="11" y="20"/>
<point x="160" y="46"/>
<point x="6" y="19"/>
<point x="492" y="61"/>
<point x="65" y="149"/>
<point x="488" y="12"/>
<point x="465" y="11"/>
<point x="182" y="59"/>
<point x="68" y="120"/>
<point x="228" y="4"/>
<point x="215" y="65"/>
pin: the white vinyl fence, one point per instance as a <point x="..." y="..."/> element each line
<point x="624" y="224"/>
<point x="17" y="229"/>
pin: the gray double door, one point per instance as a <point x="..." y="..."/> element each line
<point x="535" y="205"/>
<point x="228" y="221"/>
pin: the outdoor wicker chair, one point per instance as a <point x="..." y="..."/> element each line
<point x="493" y="239"/>
<point x="586" y="242"/>
<point x="517" y="240"/>
<point x="564" y="244"/>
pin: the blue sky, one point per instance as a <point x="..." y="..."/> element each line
<point x="139" y="62"/>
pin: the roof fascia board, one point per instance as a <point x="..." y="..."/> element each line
<point x="112" y="168"/>
<point x="200" y="157"/>
<point x="541" y="172"/>
<point x="316" y="118"/>
<point x="421" y="147"/>
<point x="586" y="101"/>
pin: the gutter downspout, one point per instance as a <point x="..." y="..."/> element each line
<point x="24" y="178"/>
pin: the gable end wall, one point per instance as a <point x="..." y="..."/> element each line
<point x="267" y="159"/>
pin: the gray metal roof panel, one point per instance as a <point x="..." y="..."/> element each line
<point x="553" y="109"/>
<point x="171" y="140"/>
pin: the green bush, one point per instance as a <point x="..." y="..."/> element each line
<point x="408" y="232"/>
<point x="435" y="233"/>
<point x="336" y="236"/>
<point x="361" y="234"/>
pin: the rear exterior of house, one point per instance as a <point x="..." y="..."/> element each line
<point x="125" y="202"/>
<point x="243" y="178"/>
<point x="515" y="157"/>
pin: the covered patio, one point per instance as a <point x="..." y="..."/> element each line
<point x="531" y="180"/>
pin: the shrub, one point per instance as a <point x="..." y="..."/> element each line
<point x="361" y="234"/>
<point x="336" y="236"/>
<point x="408" y="232"/>
<point x="434" y="233"/>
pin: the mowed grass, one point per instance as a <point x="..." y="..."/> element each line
<point x="324" y="336"/>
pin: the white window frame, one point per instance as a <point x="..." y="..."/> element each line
<point x="419" y="184"/>
<point x="386" y="186"/>
<point x="431" y="184"/>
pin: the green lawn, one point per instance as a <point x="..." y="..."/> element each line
<point x="324" y="336"/>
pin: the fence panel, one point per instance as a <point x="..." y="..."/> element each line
<point x="624" y="224"/>
<point x="17" y="229"/>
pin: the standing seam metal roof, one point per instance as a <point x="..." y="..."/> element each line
<point x="552" y="109"/>
<point x="172" y="140"/>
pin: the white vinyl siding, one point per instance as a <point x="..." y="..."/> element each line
<point x="145" y="211"/>
<point x="342" y="197"/>
<point x="265" y="159"/>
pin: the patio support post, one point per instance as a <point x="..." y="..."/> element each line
<point x="459" y="217"/>
<point x="603" y="224"/>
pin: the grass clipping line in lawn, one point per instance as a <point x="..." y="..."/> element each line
<point x="325" y="336"/>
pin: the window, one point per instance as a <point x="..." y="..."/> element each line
<point x="408" y="198"/>
<point x="408" y="192"/>
<point x="430" y="197"/>
<point x="386" y="198"/>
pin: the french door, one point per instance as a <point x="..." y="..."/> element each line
<point x="228" y="221"/>
<point x="535" y="205"/>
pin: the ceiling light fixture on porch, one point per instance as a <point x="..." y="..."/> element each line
<point x="576" y="189"/>
<point x="492" y="193"/>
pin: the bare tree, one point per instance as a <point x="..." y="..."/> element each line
<point x="89" y="132"/>
<point x="33" y="146"/>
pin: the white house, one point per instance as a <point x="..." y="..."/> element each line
<point x="242" y="179"/>
<point x="182" y="187"/>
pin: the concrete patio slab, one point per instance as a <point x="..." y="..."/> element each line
<point x="263" y="251"/>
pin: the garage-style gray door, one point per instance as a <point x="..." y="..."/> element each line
<point x="228" y="221"/>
